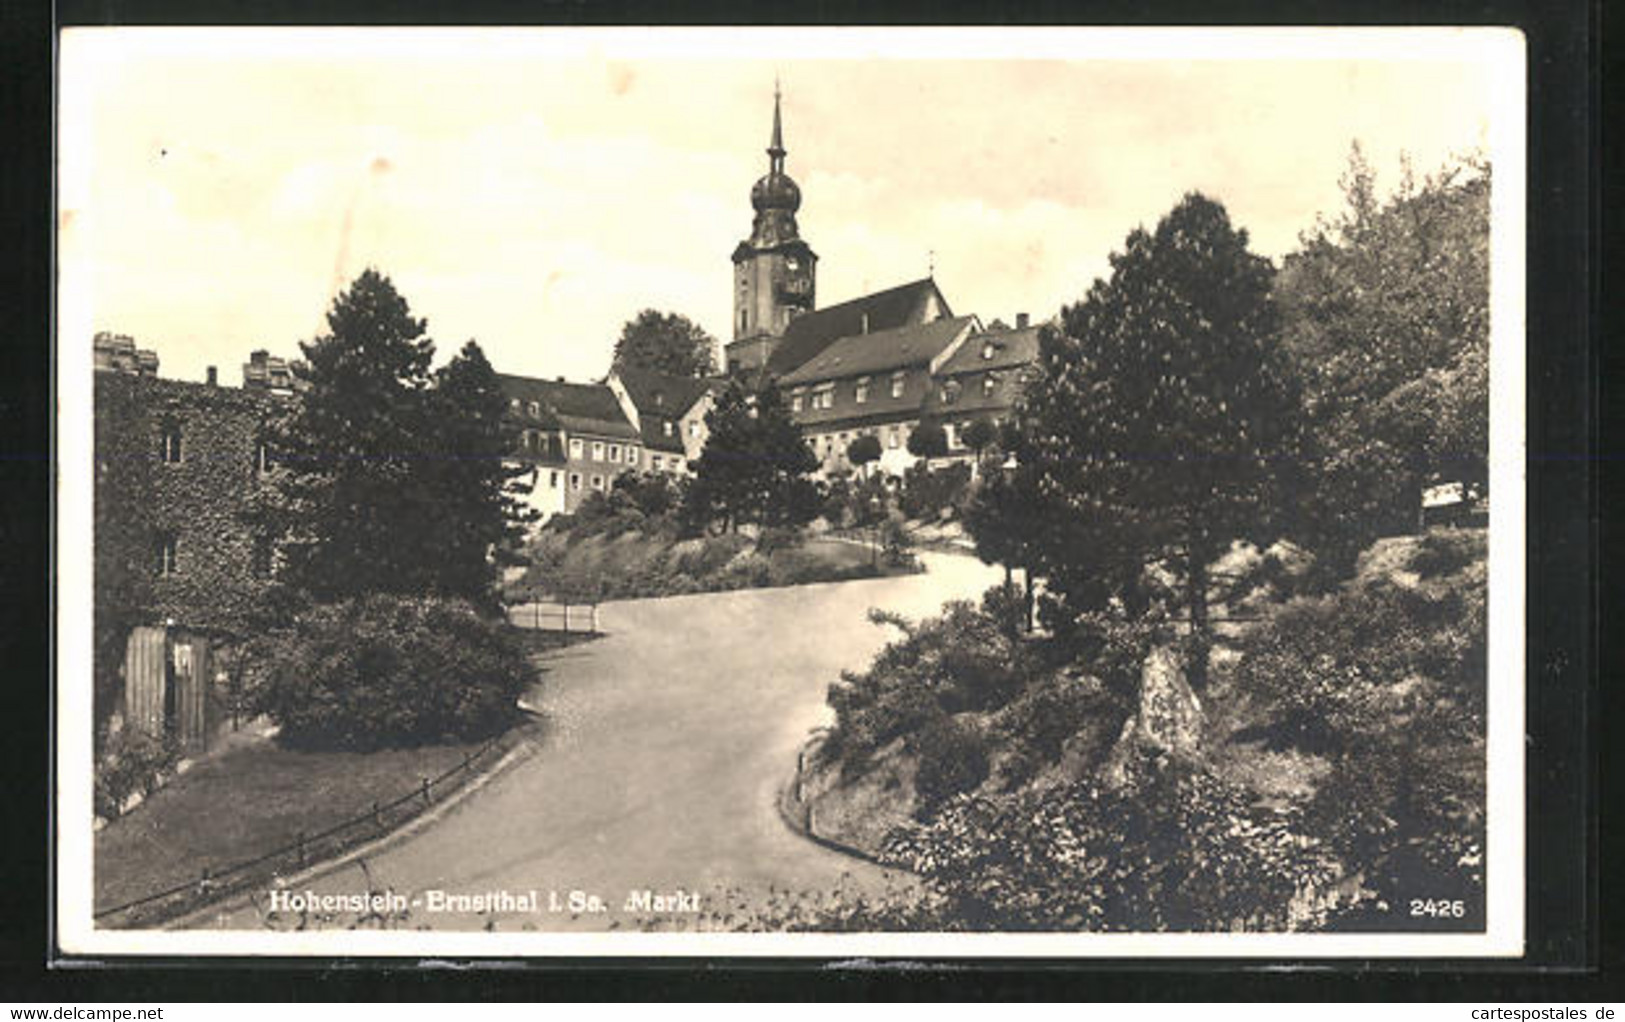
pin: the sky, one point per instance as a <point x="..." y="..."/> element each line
<point x="534" y="189"/>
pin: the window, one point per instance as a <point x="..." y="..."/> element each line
<point x="861" y="391"/>
<point x="670" y="427"/>
<point x="632" y="456"/>
<point x="694" y="428"/>
<point x="165" y="552"/>
<point x="575" y="447"/>
<point x="575" y="480"/>
<point x="169" y="444"/>
<point x="615" y="452"/>
<point x="896" y="384"/>
<point x="987" y="351"/>
<point x="795" y="401"/>
<point x="893" y="438"/>
<point x="597" y="450"/>
<point x="950" y="392"/>
<point x="553" y="479"/>
<point x="597" y="481"/>
<point x="535" y="410"/>
<point x="657" y="462"/>
<point x="513" y="403"/>
<point x="989" y="384"/>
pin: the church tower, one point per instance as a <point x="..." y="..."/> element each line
<point x="774" y="270"/>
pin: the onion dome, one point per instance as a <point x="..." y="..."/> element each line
<point x="776" y="190"/>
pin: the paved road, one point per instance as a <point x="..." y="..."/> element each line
<point x="668" y="742"/>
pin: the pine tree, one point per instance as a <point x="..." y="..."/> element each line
<point x="469" y="482"/>
<point x="1158" y="419"/>
<point x="352" y="514"/>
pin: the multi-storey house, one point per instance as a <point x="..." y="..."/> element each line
<point x="871" y="384"/>
<point x="574" y="436"/>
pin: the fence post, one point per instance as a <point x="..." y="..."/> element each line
<point x="299" y="838"/>
<point x="205" y="882"/>
<point x="425" y="783"/>
<point x="566" y="617"/>
<point x="377" y="815"/>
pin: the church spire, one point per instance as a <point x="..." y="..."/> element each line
<point x="775" y="150"/>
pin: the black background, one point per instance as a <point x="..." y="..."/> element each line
<point x="1574" y="949"/>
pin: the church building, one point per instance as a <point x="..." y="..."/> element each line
<point x="874" y="365"/>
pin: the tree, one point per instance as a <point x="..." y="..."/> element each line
<point x="1156" y="421"/>
<point x="862" y="451"/>
<point x="1003" y="516"/>
<point x="665" y="342"/>
<point x="928" y="440"/>
<point x="468" y="481"/>
<point x="1385" y="310"/>
<point x="349" y="505"/>
<point x="754" y="466"/>
<point x="979" y="436"/>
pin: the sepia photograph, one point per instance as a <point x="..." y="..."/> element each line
<point x="924" y="492"/>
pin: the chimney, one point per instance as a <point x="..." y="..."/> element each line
<point x="214" y="377"/>
<point x="1021" y="321"/>
<point x="560" y="379"/>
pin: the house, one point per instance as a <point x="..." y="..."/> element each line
<point x="982" y="379"/>
<point x="872" y="384"/>
<point x="575" y="437"/>
<point x="668" y="412"/>
<point x="180" y="563"/>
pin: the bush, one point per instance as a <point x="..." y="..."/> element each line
<point x="928" y="492"/>
<point x="775" y="538"/>
<point x="392" y="671"/>
<point x="952" y="760"/>
<point x="1388" y="682"/>
<point x="1173" y="849"/>
<point x="132" y="761"/>
<point x="959" y="661"/>
<point x="1056" y="708"/>
<point x="896" y="544"/>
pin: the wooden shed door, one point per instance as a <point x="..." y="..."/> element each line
<point x="145" y="665"/>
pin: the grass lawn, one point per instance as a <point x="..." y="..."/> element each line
<point x="251" y="800"/>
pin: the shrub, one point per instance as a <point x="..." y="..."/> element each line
<point x="952" y="760"/>
<point x="1055" y="708"/>
<point x="959" y="661"/>
<point x="928" y="440"/>
<point x="863" y="450"/>
<point x="775" y="538"/>
<point x="390" y="671"/>
<point x="928" y="492"/>
<point x="1173" y="848"/>
<point x="1388" y="682"/>
<point x="132" y="761"/>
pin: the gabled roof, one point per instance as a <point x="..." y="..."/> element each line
<point x="662" y="393"/>
<point x="812" y="332"/>
<point x="661" y="398"/>
<point x="882" y="351"/>
<point x="576" y="407"/>
<point x="1009" y="348"/>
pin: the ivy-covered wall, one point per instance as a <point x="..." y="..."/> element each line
<point x="200" y="500"/>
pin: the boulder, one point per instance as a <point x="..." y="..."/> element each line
<point x="1169" y="721"/>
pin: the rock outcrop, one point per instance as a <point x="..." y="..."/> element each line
<point x="1168" y="723"/>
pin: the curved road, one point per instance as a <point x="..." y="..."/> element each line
<point x="667" y="742"/>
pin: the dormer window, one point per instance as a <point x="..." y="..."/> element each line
<point x="535" y="410"/>
<point x="514" y="404"/>
<point x="670" y="427"/>
<point x="988" y="348"/>
<point x="897" y="384"/>
<point x="861" y="394"/>
<point x="989" y="384"/>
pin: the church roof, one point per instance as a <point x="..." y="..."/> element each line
<point x="812" y="332"/>
<point x="575" y="407"/>
<point x="881" y="351"/>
